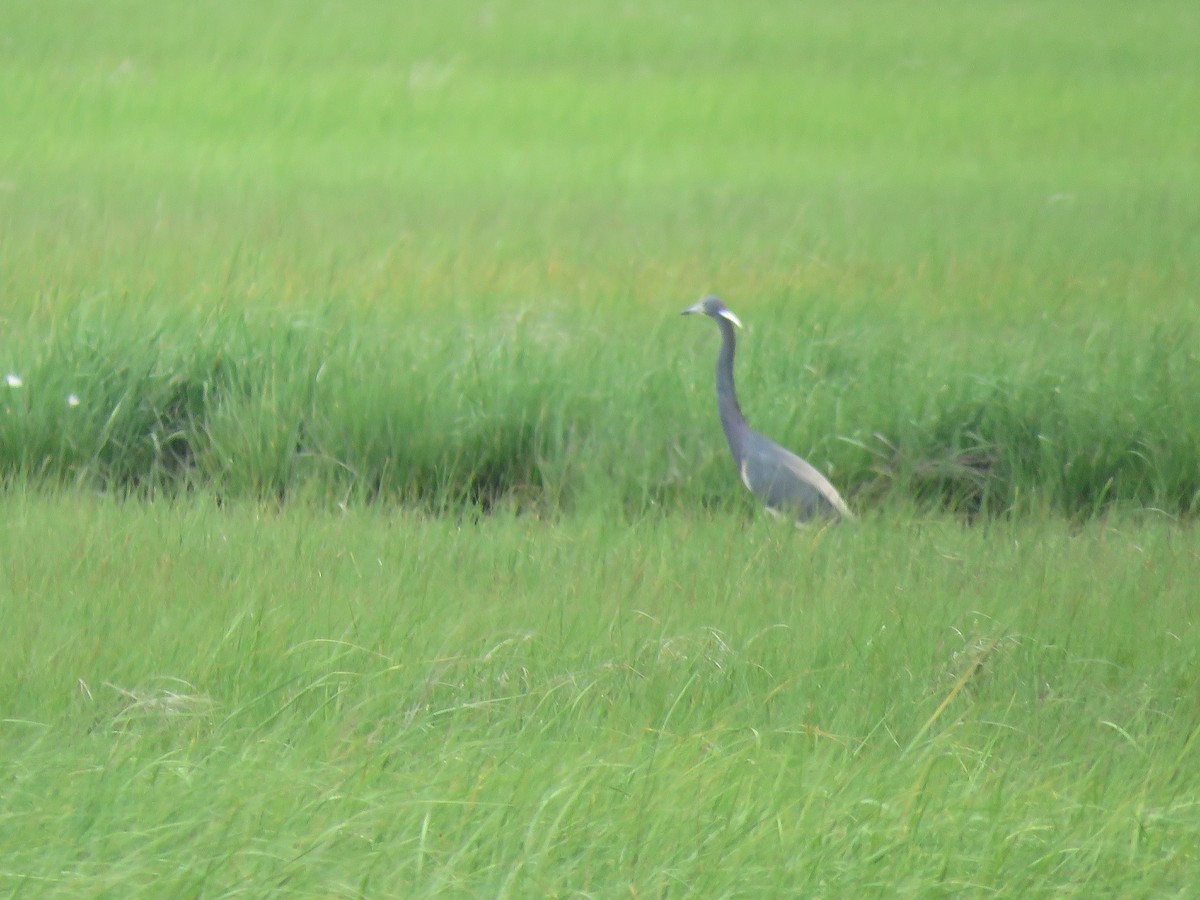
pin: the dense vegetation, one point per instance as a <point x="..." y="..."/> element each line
<point x="542" y="408"/>
<point x="444" y="260"/>
<point x="366" y="528"/>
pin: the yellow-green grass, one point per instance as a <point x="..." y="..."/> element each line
<point x="978" y="165"/>
<point x="392" y="547"/>
<point x="212" y="699"/>
<point x="553" y="410"/>
<point x="965" y="241"/>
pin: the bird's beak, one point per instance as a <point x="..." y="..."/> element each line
<point x="697" y="309"/>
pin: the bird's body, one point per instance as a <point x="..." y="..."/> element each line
<point x="784" y="482"/>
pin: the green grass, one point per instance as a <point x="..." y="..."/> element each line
<point x="966" y="249"/>
<point x="993" y="163"/>
<point x="232" y="700"/>
<point x="393" y="549"/>
<point x="556" y="412"/>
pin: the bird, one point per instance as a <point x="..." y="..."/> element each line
<point x="786" y="484"/>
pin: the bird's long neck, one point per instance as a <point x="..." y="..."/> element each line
<point x="732" y="420"/>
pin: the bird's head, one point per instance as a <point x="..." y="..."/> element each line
<point x="713" y="308"/>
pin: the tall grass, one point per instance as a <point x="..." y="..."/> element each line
<point x="544" y="409"/>
<point x="327" y="284"/>
<point x="389" y="253"/>
<point x="217" y="700"/>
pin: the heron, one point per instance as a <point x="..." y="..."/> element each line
<point x="786" y="484"/>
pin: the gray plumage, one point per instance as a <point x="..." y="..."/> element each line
<point x="784" y="482"/>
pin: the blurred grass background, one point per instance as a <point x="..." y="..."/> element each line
<point x="328" y="280"/>
<point x="965" y="240"/>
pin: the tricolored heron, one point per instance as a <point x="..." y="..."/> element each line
<point x="779" y="478"/>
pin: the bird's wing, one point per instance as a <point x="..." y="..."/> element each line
<point x="785" y="481"/>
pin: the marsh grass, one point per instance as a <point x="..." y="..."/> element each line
<point x="444" y="268"/>
<point x="392" y="547"/>
<point x="402" y="703"/>
<point x="540" y="411"/>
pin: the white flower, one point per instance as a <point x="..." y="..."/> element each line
<point x="13" y="380"/>
<point x="72" y="399"/>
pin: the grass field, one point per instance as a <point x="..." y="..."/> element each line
<point x="367" y="529"/>
<point x="232" y="701"/>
